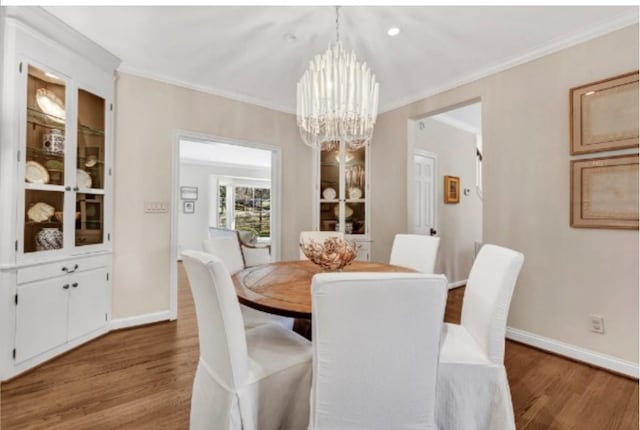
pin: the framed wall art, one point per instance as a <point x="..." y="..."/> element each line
<point x="189" y="193"/>
<point x="451" y="189"/>
<point x="604" y="115"/>
<point x="189" y="206"/>
<point x="604" y="192"/>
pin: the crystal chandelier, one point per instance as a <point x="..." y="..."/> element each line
<point x="337" y="99"/>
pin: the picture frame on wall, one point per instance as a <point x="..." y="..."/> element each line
<point x="189" y="206"/>
<point x="189" y="193"/>
<point x="451" y="189"/>
<point x="604" y="115"/>
<point x="604" y="192"/>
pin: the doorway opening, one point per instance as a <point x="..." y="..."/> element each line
<point x="222" y="183"/>
<point x="446" y="147"/>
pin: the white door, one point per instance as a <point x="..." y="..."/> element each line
<point x="88" y="302"/>
<point x="424" y="217"/>
<point x="41" y="317"/>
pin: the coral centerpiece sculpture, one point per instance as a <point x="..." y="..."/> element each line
<point x="332" y="255"/>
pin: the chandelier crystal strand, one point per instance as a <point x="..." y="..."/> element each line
<point x="337" y="99"/>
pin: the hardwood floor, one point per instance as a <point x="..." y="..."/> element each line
<point x="141" y="379"/>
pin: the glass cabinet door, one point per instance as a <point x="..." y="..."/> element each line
<point x="354" y="179"/>
<point x="343" y="190"/>
<point x="44" y="170"/>
<point x="90" y="169"/>
<point x="330" y="189"/>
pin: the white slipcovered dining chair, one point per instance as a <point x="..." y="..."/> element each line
<point x="255" y="379"/>
<point x="251" y="252"/>
<point x="473" y="390"/>
<point x="415" y="251"/>
<point x="318" y="236"/>
<point x="227" y="249"/>
<point x="375" y="350"/>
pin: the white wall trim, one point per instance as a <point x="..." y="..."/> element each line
<point x="453" y="122"/>
<point x="276" y="200"/>
<point x="541" y="51"/>
<point x="457" y="284"/>
<point x="134" y="321"/>
<point x="594" y="358"/>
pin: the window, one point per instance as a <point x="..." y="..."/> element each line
<point x="222" y="206"/>
<point x="253" y="210"/>
<point x="250" y="209"/>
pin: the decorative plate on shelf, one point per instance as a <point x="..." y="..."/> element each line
<point x="35" y="173"/>
<point x="83" y="179"/>
<point x="40" y="212"/>
<point x="329" y="193"/>
<point x="355" y="193"/>
<point x="50" y="104"/>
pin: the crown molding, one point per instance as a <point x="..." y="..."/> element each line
<point x="125" y="68"/>
<point x="556" y="45"/>
<point x="39" y="21"/>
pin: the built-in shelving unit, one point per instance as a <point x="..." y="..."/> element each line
<point x="56" y="166"/>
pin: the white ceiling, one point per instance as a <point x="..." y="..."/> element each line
<point x="223" y="154"/>
<point x="467" y="117"/>
<point x="242" y="52"/>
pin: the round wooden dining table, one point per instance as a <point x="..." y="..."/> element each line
<point x="284" y="288"/>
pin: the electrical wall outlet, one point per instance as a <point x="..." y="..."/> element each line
<point x="596" y="324"/>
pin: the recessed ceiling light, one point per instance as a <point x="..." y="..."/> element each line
<point x="393" y="31"/>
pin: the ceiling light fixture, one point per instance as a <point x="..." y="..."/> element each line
<point x="337" y="99"/>
<point x="393" y="31"/>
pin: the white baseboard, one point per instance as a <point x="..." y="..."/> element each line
<point x="457" y="284"/>
<point x="137" y="320"/>
<point x="594" y="358"/>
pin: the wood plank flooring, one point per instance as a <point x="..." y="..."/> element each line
<point x="141" y="379"/>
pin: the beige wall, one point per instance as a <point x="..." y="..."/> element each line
<point x="459" y="225"/>
<point x="568" y="273"/>
<point x="147" y="115"/>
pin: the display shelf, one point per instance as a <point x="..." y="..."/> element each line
<point x="43" y="223"/>
<point x="97" y="191"/>
<point x="43" y="187"/>
<point x="39" y="118"/>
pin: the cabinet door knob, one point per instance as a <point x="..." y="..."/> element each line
<point x="67" y="188"/>
<point x="76" y="189"/>
<point x="65" y="286"/>
<point x="74" y="285"/>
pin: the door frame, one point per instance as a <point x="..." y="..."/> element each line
<point x="410" y="186"/>
<point x="276" y="200"/>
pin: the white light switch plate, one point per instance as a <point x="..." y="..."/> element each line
<point x="156" y="207"/>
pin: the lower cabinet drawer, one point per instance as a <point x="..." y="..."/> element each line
<point x="60" y="268"/>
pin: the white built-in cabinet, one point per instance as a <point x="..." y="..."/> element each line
<point x="342" y="196"/>
<point x="56" y="181"/>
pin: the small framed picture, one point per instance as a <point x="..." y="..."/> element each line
<point x="451" y="189"/>
<point x="189" y="193"/>
<point x="189" y="206"/>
